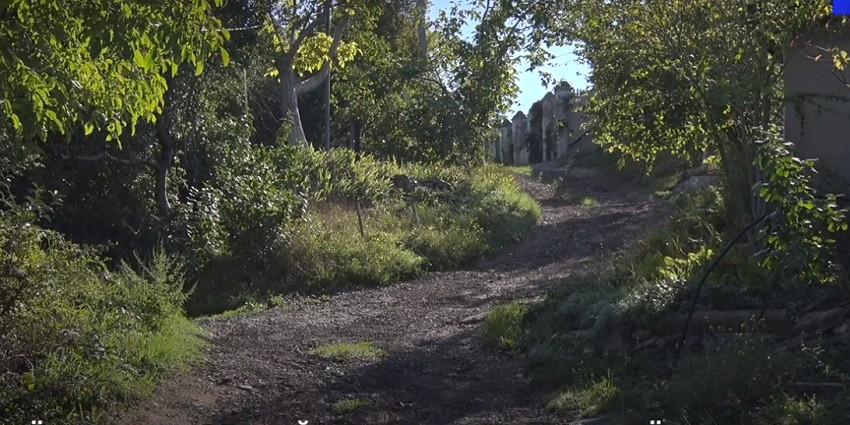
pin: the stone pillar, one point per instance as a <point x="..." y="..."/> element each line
<point x="520" y="133"/>
<point x="547" y="123"/>
<point x="506" y="143"/>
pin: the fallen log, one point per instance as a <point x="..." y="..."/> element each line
<point x="821" y="321"/>
<point x="773" y="321"/>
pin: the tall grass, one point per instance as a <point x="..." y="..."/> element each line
<point x="77" y="337"/>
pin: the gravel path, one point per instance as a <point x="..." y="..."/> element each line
<point x="437" y="370"/>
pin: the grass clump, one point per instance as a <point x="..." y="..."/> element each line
<point x="586" y="401"/>
<point x="503" y="326"/>
<point x="350" y="405"/>
<point x="76" y="337"/>
<point x="329" y="251"/>
<point x="520" y="169"/>
<point x="365" y="350"/>
<point x="588" y="201"/>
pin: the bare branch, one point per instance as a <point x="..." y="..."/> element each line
<point x="109" y="157"/>
<point x="293" y="48"/>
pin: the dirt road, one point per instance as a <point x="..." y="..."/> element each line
<point x="437" y="370"/>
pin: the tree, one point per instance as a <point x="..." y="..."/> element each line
<point x="302" y="49"/>
<point x="65" y="63"/>
<point x="683" y="77"/>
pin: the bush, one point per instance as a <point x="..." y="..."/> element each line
<point x="328" y="251"/>
<point x="283" y="219"/>
<point x="76" y="336"/>
<point x="339" y="175"/>
<point x="572" y="328"/>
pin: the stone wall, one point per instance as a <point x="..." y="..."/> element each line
<point x="817" y="110"/>
<point x="560" y="125"/>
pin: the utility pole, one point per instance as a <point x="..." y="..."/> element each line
<point x="422" y="6"/>
<point x="328" y="85"/>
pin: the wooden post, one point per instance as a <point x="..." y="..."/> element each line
<point x="360" y="221"/>
<point x="328" y="90"/>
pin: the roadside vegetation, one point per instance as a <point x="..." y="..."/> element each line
<point x="608" y="342"/>
<point x="758" y="255"/>
<point x="180" y="169"/>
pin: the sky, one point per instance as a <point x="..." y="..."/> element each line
<point x="566" y="66"/>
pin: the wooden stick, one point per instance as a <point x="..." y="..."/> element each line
<point x="360" y="221"/>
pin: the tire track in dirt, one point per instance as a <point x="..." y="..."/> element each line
<point x="437" y="369"/>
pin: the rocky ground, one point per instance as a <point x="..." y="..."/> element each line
<point x="437" y="370"/>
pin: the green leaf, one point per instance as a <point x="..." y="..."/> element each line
<point x="225" y="57"/>
<point x="199" y="68"/>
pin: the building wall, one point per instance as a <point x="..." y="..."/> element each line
<point x="817" y="110"/>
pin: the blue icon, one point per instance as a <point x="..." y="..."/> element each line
<point x="841" y="7"/>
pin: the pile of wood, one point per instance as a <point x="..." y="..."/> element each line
<point x="408" y="185"/>
<point x="833" y="324"/>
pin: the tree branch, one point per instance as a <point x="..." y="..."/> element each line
<point x="109" y="157"/>
<point x="315" y="81"/>
<point x="293" y="48"/>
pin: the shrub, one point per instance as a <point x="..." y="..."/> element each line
<point x="76" y="336"/>
<point x="339" y="175"/>
<point x="328" y="251"/>
<point x="284" y="219"/>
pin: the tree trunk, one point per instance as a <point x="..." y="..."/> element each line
<point x="289" y="105"/>
<point x="328" y="89"/>
<point x="357" y="129"/>
<point x="292" y="86"/>
<point x="422" y="6"/>
<point x="163" y="166"/>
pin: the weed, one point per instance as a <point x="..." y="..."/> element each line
<point x="586" y="401"/>
<point x="588" y="201"/>
<point x="503" y="326"/>
<point x="350" y="350"/>
<point x="350" y="405"/>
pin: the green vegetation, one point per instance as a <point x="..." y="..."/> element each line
<point x="193" y="149"/>
<point x="504" y="326"/>
<point x="317" y="247"/>
<point x="350" y="405"/>
<point x="603" y="324"/>
<point x="588" y="201"/>
<point x="586" y="401"/>
<point x="721" y="94"/>
<point x="521" y="169"/>
<point x="365" y="350"/>
<point x="77" y="337"/>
